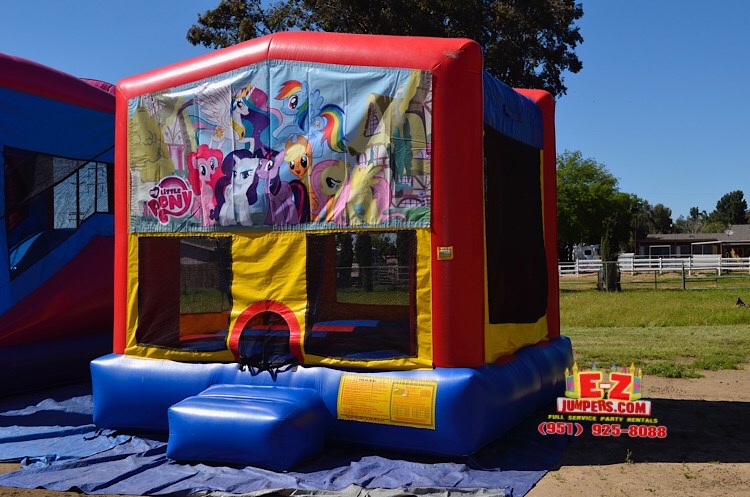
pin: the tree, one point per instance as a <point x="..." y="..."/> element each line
<point x="344" y="260"/>
<point x="661" y="219"/>
<point x="587" y="196"/>
<point x="640" y="211"/>
<point x="692" y="224"/>
<point x="609" y="274"/>
<point x="622" y="207"/>
<point x="525" y="44"/>
<point x="730" y="209"/>
<point x="363" y="254"/>
<point x="384" y="244"/>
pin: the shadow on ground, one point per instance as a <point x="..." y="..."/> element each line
<point x="697" y="431"/>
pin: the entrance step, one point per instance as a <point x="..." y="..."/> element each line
<point x="265" y="426"/>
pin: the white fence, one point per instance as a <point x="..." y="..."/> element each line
<point x="642" y="264"/>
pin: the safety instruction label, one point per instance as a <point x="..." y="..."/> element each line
<point x="391" y="401"/>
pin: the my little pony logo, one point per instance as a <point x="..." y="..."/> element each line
<point x="170" y="198"/>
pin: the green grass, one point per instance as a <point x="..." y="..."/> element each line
<point x="663" y="281"/>
<point x="380" y="295"/>
<point x="648" y="308"/>
<point x="197" y="300"/>
<point x="674" y="334"/>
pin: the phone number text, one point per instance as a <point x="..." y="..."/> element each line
<point x="603" y="430"/>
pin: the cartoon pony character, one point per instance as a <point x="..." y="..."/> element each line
<point x="304" y="113"/>
<point x="251" y="117"/>
<point x="236" y="190"/>
<point x="283" y="206"/>
<point x="294" y="110"/>
<point x="298" y="154"/>
<point x="364" y="196"/>
<point x="210" y="112"/>
<point x="203" y="173"/>
<point x="327" y="127"/>
<point x="326" y="180"/>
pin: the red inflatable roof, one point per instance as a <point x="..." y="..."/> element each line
<point x="27" y="76"/>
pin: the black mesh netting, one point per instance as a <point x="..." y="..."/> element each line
<point x="361" y="291"/>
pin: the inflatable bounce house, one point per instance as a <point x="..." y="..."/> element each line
<point x="319" y="238"/>
<point x="57" y="232"/>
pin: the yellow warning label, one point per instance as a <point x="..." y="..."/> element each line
<point x="390" y="401"/>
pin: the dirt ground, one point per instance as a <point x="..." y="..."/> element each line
<point x="706" y="452"/>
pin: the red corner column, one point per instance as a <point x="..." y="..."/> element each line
<point x="546" y="104"/>
<point x="122" y="212"/>
<point x="458" y="301"/>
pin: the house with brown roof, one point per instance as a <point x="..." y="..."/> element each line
<point x="734" y="242"/>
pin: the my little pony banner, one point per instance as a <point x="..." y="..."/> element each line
<point x="283" y="145"/>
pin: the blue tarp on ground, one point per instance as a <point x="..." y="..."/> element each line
<point x="60" y="449"/>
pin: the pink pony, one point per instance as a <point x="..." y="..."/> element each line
<point x="204" y="170"/>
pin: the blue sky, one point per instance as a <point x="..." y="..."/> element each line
<point x="660" y="100"/>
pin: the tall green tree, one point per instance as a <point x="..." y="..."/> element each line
<point x="661" y="219"/>
<point x="647" y="218"/>
<point x="587" y="196"/>
<point x="609" y="274"/>
<point x="526" y="43"/>
<point x="730" y="209"/>
<point x="640" y="221"/>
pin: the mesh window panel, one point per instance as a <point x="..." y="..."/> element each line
<point x="66" y="207"/>
<point x="103" y="187"/>
<point x="517" y="292"/>
<point x="46" y="199"/>
<point x="205" y="274"/>
<point x="362" y="291"/>
<point x="184" y="292"/>
<point x="29" y="174"/>
<point x="375" y="277"/>
<point x="158" y="291"/>
<point x="87" y="191"/>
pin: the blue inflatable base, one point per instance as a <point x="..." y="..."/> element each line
<point x="472" y="407"/>
<point x="52" y="434"/>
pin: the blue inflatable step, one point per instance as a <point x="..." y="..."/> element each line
<point x="264" y="426"/>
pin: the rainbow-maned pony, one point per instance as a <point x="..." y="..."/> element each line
<point x="294" y="110"/>
<point x="305" y="114"/>
<point x="327" y="126"/>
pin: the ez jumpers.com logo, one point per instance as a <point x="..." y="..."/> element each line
<point x="611" y="401"/>
<point x="590" y="391"/>
<point x="171" y="197"/>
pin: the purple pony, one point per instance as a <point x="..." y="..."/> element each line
<point x="282" y="207"/>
